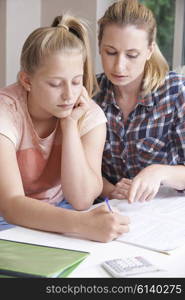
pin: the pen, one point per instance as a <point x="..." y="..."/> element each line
<point x="108" y="204"/>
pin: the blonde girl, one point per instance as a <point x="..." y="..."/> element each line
<point x="52" y="137"/>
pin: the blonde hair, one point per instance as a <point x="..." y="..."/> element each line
<point x="131" y="12"/>
<point x="67" y="35"/>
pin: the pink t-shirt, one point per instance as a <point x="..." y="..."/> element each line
<point x="38" y="158"/>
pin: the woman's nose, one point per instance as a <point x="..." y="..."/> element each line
<point x="120" y="64"/>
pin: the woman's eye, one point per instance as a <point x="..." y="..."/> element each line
<point x="110" y="53"/>
<point x="132" y="56"/>
<point x="76" y="82"/>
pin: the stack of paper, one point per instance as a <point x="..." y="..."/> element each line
<point x="158" y="224"/>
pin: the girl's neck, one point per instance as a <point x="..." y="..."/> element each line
<point x="43" y="125"/>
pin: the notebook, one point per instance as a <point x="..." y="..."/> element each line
<point x="28" y="260"/>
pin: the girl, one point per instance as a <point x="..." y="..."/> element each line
<point x="52" y="137"/>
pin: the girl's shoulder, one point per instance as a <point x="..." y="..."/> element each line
<point x="92" y="118"/>
<point x="95" y="110"/>
<point x="12" y="96"/>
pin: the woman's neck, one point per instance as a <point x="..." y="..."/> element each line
<point x="129" y="92"/>
<point x="127" y="97"/>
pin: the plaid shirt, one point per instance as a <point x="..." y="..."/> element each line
<point x="153" y="134"/>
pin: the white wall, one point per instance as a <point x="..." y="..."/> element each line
<point x="18" y="18"/>
<point x="100" y="10"/>
<point x="85" y="9"/>
<point x="3" y="41"/>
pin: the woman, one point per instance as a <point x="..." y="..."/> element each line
<point x="52" y="137"/>
<point x="144" y="104"/>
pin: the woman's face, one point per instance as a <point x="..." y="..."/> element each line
<point x="124" y="51"/>
<point x="56" y="86"/>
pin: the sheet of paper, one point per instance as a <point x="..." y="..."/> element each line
<point x="158" y="224"/>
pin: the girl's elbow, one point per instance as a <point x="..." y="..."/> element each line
<point x="81" y="206"/>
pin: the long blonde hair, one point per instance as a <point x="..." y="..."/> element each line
<point x="67" y="34"/>
<point x="131" y="12"/>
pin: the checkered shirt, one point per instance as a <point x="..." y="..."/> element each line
<point x="154" y="132"/>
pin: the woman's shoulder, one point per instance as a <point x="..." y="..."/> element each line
<point x="102" y="80"/>
<point x="174" y="79"/>
<point x="104" y="87"/>
<point x="173" y="85"/>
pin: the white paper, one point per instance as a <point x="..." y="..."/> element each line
<point x="158" y="224"/>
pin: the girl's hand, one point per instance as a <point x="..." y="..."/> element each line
<point x="81" y="106"/>
<point x="101" y="225"/>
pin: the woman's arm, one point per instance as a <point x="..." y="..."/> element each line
<point x="118" y="191"/>
<point x="108" y="188"/>
<point x="147" y="183"/>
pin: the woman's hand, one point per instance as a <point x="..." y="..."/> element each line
<point x="146" y="184"/>
<point x="121" y="189"/>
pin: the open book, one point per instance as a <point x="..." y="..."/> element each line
<point x="28" y="260"/>
<point x="158" y="224"/>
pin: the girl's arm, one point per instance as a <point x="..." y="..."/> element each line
<point x="98" y="224"/>
<point x="81" y="157"/>
<point x="81" y="164"/>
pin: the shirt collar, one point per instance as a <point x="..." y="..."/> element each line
<point x="109" y="98"/>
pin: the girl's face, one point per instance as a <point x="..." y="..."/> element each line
<point x="124" y="51"/>
<point x="56" y="86"/>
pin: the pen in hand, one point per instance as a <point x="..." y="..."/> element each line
<point x="108" y="204"/>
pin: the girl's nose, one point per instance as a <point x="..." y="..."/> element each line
<point x="67" y="93"/>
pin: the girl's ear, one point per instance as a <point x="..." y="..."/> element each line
<point x="24" y="79"/>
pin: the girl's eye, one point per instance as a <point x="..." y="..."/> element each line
<point x="52" y="84"/>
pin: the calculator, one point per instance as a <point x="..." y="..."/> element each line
<point x="122" y="267"/>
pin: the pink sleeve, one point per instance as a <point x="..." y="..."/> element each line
<point x="94" y="117"/>
<point x="9" y="120"/>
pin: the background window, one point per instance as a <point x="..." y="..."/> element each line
<point x="183" y="52"/>
<point x="164" y="12"/>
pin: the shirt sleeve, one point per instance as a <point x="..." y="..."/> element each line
<point x="180" y="126"/>
<point x="94" y="117"/>
<point x="9" y="119"/>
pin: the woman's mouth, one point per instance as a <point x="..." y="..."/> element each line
<point x="119" y="76"/>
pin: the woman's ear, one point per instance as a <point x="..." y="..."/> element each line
<point x="151" y="50"/>
<point x="24" y="79"/>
